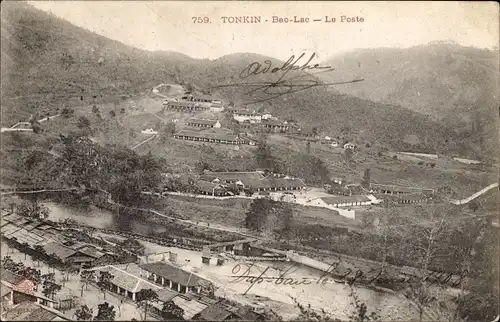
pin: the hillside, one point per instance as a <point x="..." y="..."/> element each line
<point x="47" y="61"/>
<point x="453" y="84"/>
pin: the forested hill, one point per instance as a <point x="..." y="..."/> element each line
<point x="48" y="61"/>
<point x="457" y="85"/>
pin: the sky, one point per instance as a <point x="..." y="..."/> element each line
<point x="168" y="26"/>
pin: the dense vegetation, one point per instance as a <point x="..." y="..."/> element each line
<point x="49" y="62"/>
<point x="455" y="84"/>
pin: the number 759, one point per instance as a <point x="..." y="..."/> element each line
<point x="200" y="19"/>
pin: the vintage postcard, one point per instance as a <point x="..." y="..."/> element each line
<point x="249" y="161"/>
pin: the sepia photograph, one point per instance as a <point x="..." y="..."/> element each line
<point x="250" y="161"/>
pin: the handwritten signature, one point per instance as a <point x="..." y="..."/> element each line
<point x="242" y="272"/>
<point x="256" y="68"/>
<point x="283" y="85"/>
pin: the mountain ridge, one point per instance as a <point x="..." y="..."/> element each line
<point x="60" y="62"/>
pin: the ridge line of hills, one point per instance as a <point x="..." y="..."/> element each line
<point x="48" y="61"/>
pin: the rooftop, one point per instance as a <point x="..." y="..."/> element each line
<point x="91" y="251"/>
<point x="10" y="277"/>
<point x="30" y="311"/>
<point x="191" y="307"/>
<point x="59" y="250"/>
<point x="232" y="176"/>
<point x="215" y="134"/>
<point x="173" y="273"/>
<point x="395" y="188"/>
<point x="125" y="276"/>
<point x="208" y="186"/>
<point x="4" y="290"/>
<point x="345" y="199"/>
<point x="23" y="236"/>
<point x="183" y="103"/>
<point x="214" y="313"/>
<point x="202" y="121"/>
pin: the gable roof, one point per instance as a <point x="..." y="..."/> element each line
<point x="214" y="313"/>
<point x="61" y="251"/>
<point x="11" y="278"/>
<point x="91" y="251"/>
<point x="183" y="103"/>
<point x="191" y="307"/>
<point x="4" y="290"/>
<point x="30" y="311"/>
<point x="126" y="279"/>
<point x="345" y="199"/>
<point x="216" y="134"/>
<point x="175" y="274"/>
<point x="389" y="187"/>
<point x="202" y="121"/>
<point x="208" y="187"/>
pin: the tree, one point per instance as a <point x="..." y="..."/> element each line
<point x="39" y="253"/>
<point x="84" y="313"/>
<point x="167" y="131"/>
<point x="33" y="209"/>
<point x="146" y="297"/>
<point x="133" y="245"/>
<point x="263" y="154"/>
<point x="425" y="233"/>
<point x="105" y="312"/>
<point x="308" y="314"/>
<point x="25" y="247"/>
<point x="32" y="274"/>
<point x="348" y="155"/>
<point x="68" y="268"/>
<point x="473" y="244"/>
<point x="112" y="113"/>
<point x="18" y="268"/>
<point x="360" y="313"/>
<point x="172" y="312"/>
<point x="83" y="123"/>
<point x="264" y="211"/>
<point x="8" y="263"/>
<point x="85" y="278"/>
<point x="365" y="183"/>
<point x="104" y="282"/>
<point x="67" y="112"/>
<point x="256" y="216"/>
<point x="50" y="288"/>
<point x="48" y="277"/>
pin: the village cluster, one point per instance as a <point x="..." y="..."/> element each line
<point x="262" y="183"/>
<point x="69" y="265"/>
<point x="248" y="120"/>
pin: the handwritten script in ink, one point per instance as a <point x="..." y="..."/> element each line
<point x="285" y="84"/>
<point x="242" y="273"/>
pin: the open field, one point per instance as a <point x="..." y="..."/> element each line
<point x="232" y="212"/>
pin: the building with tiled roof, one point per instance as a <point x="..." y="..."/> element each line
<point x="211" y="189"/>
<point x="184" y="106"/>
<point x="347" y="201"/>
<point x="204" y="123"/>
<point x="275" y="125"/>
<point x="396" y="190"/>
<point x="255" y="180"/>
<point x="29" y="311"/>
<point x="174" y="277"/>
<point x="127" y="279"/>
<point x="16" y="282"/>
<point x="211" y="136"/>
